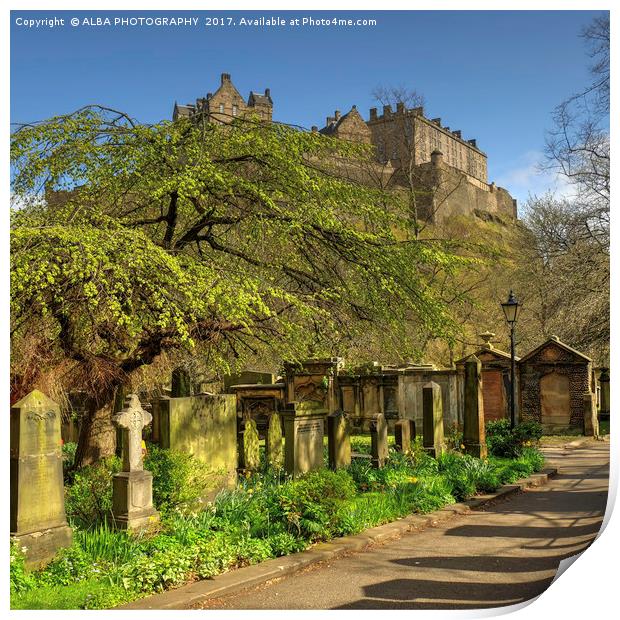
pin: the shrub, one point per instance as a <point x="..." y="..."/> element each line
<point x="21" y="579"/>
<point x="180" y="481"/>
<point x="70" y="565"/>
<point x="68" y="456"/>
<point x="503" y="441"/>
<point x="88" y="499"/>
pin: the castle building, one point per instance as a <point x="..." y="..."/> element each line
<point x="403" y="139"/>
<point x="226" y="103"/>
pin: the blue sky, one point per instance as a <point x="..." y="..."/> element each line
<point x="496" y="75"/>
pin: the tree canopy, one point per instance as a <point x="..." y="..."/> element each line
<point x="131" y="239"/>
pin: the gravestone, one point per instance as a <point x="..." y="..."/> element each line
<point x="132" y="487"/>
<point x="432" y="419"/>
<point x="473" y="409"/>
<point x="273" y="442"/>
<point x="404" y="432"/>
<point x="38" y="520"/>
<point x="378" y="440"/>
<point x="338" y="441"/>
<point x="590" y="415"/>
<point x="303" y="437"/>
<point x="205" y="426"/>
<point x="249" y="453"/>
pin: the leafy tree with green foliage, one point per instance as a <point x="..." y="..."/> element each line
<point x="130" y="240"/>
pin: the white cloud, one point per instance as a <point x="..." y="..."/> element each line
<point x="526" y="178"/>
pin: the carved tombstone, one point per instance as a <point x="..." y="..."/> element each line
<point x="273" y="442"/>
<point x="38" y="519"/>
<point x="338" y="441"/>
<point x="132" y="488"/>
<point x="432" y="419"/>
<point x="378" y="440"/>
<point x="473" y="410"/>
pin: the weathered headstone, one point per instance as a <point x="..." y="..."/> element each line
<point x="338" y="441"/>
<point x="273" y="442"/>
<point x="473" y="409"/>
<point x="249" y="454"/>
<point x="432" y="419"/>
<point x="590" y="415"/>
<point x="38" y="520"/>
<point x="378" y="440"/>
<point x="206" y="427"/>
<point x="132" y="488"/>
<point x="404" y="432"/>
<point x="303" y="433"/>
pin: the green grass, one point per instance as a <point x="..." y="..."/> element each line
<point x="80" y="595"/>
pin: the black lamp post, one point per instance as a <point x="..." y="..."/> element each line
<point x="511" y="311"/>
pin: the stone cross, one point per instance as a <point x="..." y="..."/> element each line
<point x="131" y="420"/>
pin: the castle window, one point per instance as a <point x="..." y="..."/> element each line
<point x="221" y="108"/>
<point x="234" y="110"/>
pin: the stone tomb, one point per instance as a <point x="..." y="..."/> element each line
<point x="37" y="519"/>
<point x="313" y="380"/>
<point x="411" y="383"/>
<point x="258" y="402"/>
<point x="132" y="488"/>
<point x="273" y="442"/>
<point x="205" y="426"/>
<point x="404" y="432"/>
<point x="303" y="437"/>
<point x="554" y="378"/>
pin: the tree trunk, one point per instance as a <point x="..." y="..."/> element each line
<point x="97" y="433"/>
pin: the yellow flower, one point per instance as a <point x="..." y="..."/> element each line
<point x="462" y="446"/>
<point x="413" y="479"/>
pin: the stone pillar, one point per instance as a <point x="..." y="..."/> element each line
<point x="590" y="416"/>
<point x="132" y="488"/>
<point x="378" y="440"/>
<point x="274" y="452"/>
<point x="432" y="419"/>
<point x="303" y="437"/>
<point x="404" y="432"/>
<point x="604" y="383"/>
<point x="38" y="520"/>
<point x="338" y="441"/>
<point x="473" y="411"/>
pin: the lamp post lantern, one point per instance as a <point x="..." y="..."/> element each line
<point x="511" y="311"/>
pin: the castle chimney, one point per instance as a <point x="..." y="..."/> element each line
<point x="387" y="110"/>
<point x="457" y="133"/>
<point x="209" y="95"/>
<point x="354" y="107"/>
<point x="268" y="93"/>
<point x="337" y="114"/>
<point x="400" y="107"/>
<point x="437" y="159"/>
<point x="225" y="77"/>
<point x="472" y="142"/>
<point x="373" y="114"/>
<point x="329" y="120"/>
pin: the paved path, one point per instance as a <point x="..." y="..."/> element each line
<point x="503" y="555"/>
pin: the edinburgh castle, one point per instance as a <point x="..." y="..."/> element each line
<point x="448" y="172"/>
